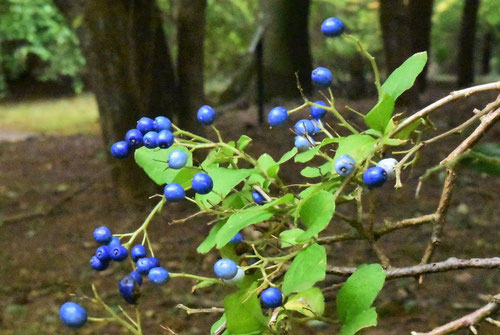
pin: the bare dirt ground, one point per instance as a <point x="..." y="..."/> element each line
<point x="44" y="260"/>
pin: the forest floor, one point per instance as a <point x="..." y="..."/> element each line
<point x="44" y="260"/>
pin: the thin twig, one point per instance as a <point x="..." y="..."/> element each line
<point x="190" y="311"/>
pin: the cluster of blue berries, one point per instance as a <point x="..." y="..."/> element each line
<point x="373" y="177"/>
<point x="110" y="249"/>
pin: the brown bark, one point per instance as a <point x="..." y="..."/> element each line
<point x="190" y="61"/>
<point x="466" y="42"/>
<point x="286" y="47"/>
<point x="420" y="22"/>
<point x="130" y="72"/>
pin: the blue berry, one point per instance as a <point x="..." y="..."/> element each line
<point x="145" y="125"/>
<point x="165" y="139"/>
<point x="151" y="140"/>
<point x="322" y="77"/>
<point x="303" y="127"/>
<point x="374" y="176"/>
<point x="238" y="238"/>
<point x="271" y="297"/>
<point x="277" y="116"/>
<point x="162" y="123"/>
<point x="102" y="235"/>
<point x="344" y="165"/>
<point x="154" y="261"/>
<point x="129" y="289"/>
<point x="177" y="159"/>
<point x="72" y="315"/>
<point x="138" y="251"/>
<point x="134" y="138"/>
<point x="120" y="149"/>
<point x="206" y="115"/>
<point x="137" y="277"/>
<point x="98" y="265"/>
<point x="318" y="112"/>
<point x="332" y="27"/>
<point x="102" y="253"/>
<point x="115" y="240"/>
<point x="258" y="198"/>
<point x="158" y="275"/>
<point x="173" y="192"/>
<point x="317" y="124"/>
<point x="144" y="265"/>
<point x="225" y="268"/>
<point x="202" y="183"/>
<point x="236" y="279"/>
<point x="304" y="144"/>
<point x="118" y="253"/>
<point x="388" y="165"/>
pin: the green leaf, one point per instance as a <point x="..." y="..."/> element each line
<point x="243" y="142"/>
<point x="310" y="302"/>
<point x="316" y="212"/>
<point x="359" y="291"/>
<point x="484" y="158"/>
<point x="202" y="284"/>
<point x="287" y="156"/>
<point x="367" y="318"/>
<point x="209" y="241"/>
<point x="184" y="176"/>
<point x="404" y="76"/>
<point x="313" y="172"/>
<point x="306" y="156"/>
<point x="409" y="129"/>
<point x="289" y="237"/>
<point x="308" y="267"/>
<point x="357" y="146"/>
<point x="240" y="220"/>
<point x="224" y="181"/>
<point x="243" y="312"/>
<point x="268" y="164"/>
<point x="381" y="113"/>
<point x="217" y="324"/>
<point x="154" y="163"/>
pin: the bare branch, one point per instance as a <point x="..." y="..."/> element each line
<point x="190" y="311"/>
<point x="468" y="320"/>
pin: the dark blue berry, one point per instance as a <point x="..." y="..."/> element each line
<point x="303" y="127"/>
<point x="177" y="159"/>
<point x="102" y="235"/>
<point x="258" y="198"/>
<point x="134" y="138"/>
<point x="162" y="123"/>
<point x="144" y="265"/>
<point x="145" y="125"/>
<point x="344" y="165"/>
<point x="165" y="139"/>
<point x="120" y="149"/>
<point x="332" y="27"/>
<point x="151" y="140"/>
<point x="72" y="315"/>
<point x="137" y="277"/>
<point x="318" y="112"/>
<point x="102" y="253"/>
<point x="225" y="268"/>
<point x="202" y="183"/>
<point x="277" y="116"/>
<point x="304" y="144"/>
<point x="158" y="275"/>
<point x="129" y="289"/>
<point x="154" y="261"/>
<point x="374" y="176"/>
<point x="238" y="238"/>
<point x="322" y="77"/>
<point x="271" y="297"/>
<point x="115" y="241"/>
<point x="138" y="251"/>
<point x="98" y="265"/>
<point x="118" y="253"/>
<point x="206" y="115"/>
<point x="174" y="192"/>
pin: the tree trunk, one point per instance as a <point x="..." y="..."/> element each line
<point x="394" y="21"/>
<point x="130" y="71"/>
<point x="190" y="61"/>
<point x="286" y="47"/>
<point x="420" y="22"/>
<point x="466" y="42"/>
<point x="486" y="53"/>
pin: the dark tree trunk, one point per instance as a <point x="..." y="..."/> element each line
<point x="131" y="72"/>
<point x="420" y="22"/>
<point x="465" y="60"/>
<point x="190" y="60"/>
<point x="486" y="53"/>
<point x="286" y="47"/>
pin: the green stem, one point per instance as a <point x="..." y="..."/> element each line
<point x="195" y="277"/>
<point x="145" y="225"/>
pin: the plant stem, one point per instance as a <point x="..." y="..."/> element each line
<point x="145" y="225"/>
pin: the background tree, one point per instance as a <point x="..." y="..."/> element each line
<point x="420" y="12"/>
<point x="466" y="42"/>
